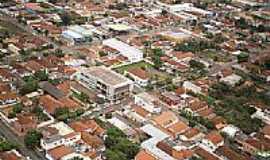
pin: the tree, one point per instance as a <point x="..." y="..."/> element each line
<point x="196" y="64"/>
<point x="17" y="108"/>
<point x="242" y="57"/>
<point x="117" y="144"/>
<point x="6" y="146"/>
<point x="76" y="158"/>
<point x="241" y="23"/>
<point x="59" y="53"/>
<point x="157" y="62"/>
<point x="66" y="19"/>
<point x="29" y="86"/>
<point x="115" y="155"/>
<point x="102" y="53"/>
<point x="41" y="75"/>
<point x="32" y="139"/>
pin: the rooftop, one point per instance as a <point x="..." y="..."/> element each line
<point x="107" y="76"/>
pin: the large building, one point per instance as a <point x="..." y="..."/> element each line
<point x="133" y="54"/>
<point x="112" y="85"/>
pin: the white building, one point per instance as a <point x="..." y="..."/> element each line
<point x="133" y="54"/>
<point x="148" y="102"/>
<point x="231" y="80"/>
<point x="192" y="87"/>
<point x="58" y="134"/>
<point x="112" y="85"/>
<point x="151" y="144"/>
<point x="212" y="141"/>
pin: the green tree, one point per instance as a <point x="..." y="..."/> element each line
<point x="76" y="158"/>
<point x="242" y="57"/>
<point x="41" y="75"/>
<point x="196" y="64"/>
<point x="6" y="146"/>
<point x="66" y="19"/>
<point x="32" y="139"/>
<point x="115" y="155"/>
<point x="17" y="108"/>
<point x="28" y="87"/>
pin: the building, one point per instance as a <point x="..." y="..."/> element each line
<point x="133" y="54"/>
<point x="113" y="86"/>
<point x="212" y="141"/>
<point x="58" y="134"/>
<point x="150" y="145"/>
<point x="148" y="102"/>
<point x="140" y="76"/>
<point x="73" y="37"/>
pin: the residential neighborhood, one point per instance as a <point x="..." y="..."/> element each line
<point x="134" y="80"/>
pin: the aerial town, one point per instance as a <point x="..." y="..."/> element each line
<point x="134" y="80"/>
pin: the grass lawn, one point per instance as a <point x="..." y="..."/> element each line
<point x="141" y="64"/>
<point x="155" y="74"/>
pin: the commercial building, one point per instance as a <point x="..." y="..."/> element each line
<point x="113" y="86"/>
<point x="133" y="54"/>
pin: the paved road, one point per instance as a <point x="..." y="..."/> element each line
<point x="11" y="136"/>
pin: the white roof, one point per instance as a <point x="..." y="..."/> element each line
<point x="231" y="79"/>
<point x="80" y="30"/>
<point x="194" y="88"/>
<point x="72" y="34"/>
<point x="126" y="50"/>
<point x="63" y="128"/>
<point x="119" y="124"/>
<point x="119" y="27"/>
<point x="147" y="97"/>
<point x="231" y="130"/>
<point x="151" y="144"/>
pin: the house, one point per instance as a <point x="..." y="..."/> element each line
<point x="176" y="129"/>
<point x="8" y="98"/>
<point x="196" y="106"/>
<point x="6" y="75"/>
<point x="204" y="154"/>
<point x="73" y="37"/>
<point x="140" y="76"/>
<point x="144" y="155"/>
<point x="24" y="123"/>
<point x="150" y="145"/>
<point x="254" y="145"/>
<point x="58" y="134"/>
<point x="231" y="80"/>
<point x="51" y="89"/>
<point x="230" y="130"/>
<point x="266" y="131"/>
<point x="113" y="86"/>
<point x="171" y="99"/>
<point x="189" y="86"/>
<point x="58" y="153"/>
<point x="148" y="102"/>
<point x="123" y="126"/>
<point x="227" y="153"/>
<point x="4" y="88"/>
<point x="90" y="126"/>
<point x="219" y="122"/>
<point x="138" y="114"/>
<point x="192" y="134"/>
<point x="93" y="141"/>
<point x="165" y="119"/>
<point x="177" y="151"/>
<point x="50" y="104"/>
<point x="212" y="141"/>
<point x="11" y="155"/>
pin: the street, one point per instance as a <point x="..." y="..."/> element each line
<point x="12" y="137"/>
